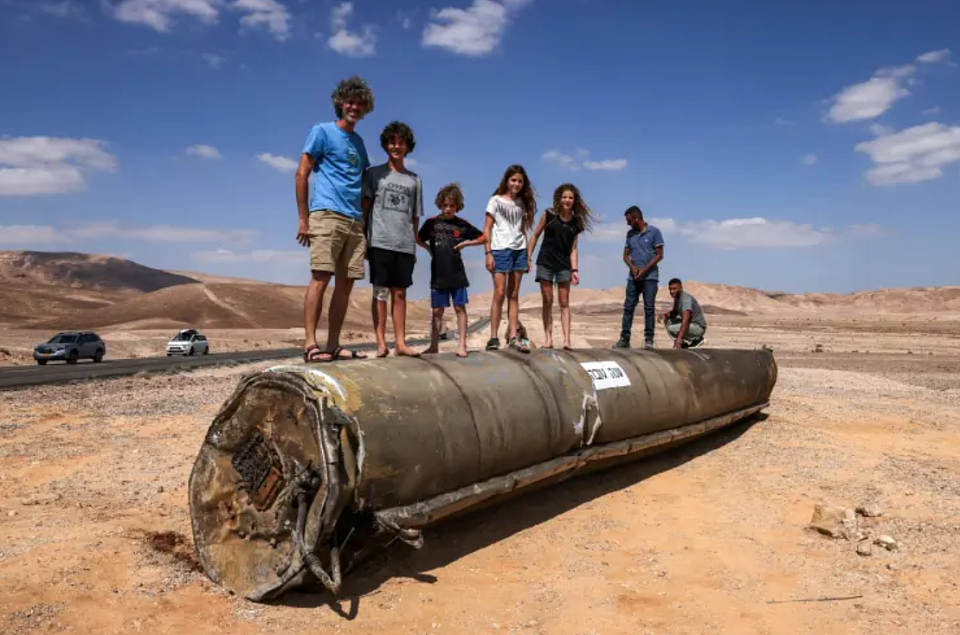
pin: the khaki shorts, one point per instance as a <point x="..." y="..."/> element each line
<point x="337" y="245"/>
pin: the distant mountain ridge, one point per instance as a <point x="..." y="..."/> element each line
<point x="60" y="290"/>
<point x="85" y="271"/>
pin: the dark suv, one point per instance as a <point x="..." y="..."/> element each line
<point x="71" y="346"/>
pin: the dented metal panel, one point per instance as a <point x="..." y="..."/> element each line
<point x="306" y="469"/>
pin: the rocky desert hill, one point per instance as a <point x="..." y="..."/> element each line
<point x="53" y="291"/>
<point x="50" y="291"/>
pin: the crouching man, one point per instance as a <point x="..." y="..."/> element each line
<point x="685" y="322"/>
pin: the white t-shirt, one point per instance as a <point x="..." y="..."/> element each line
<point x="507" y="230"/>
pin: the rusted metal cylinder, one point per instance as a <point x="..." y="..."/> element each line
<point x="307" y="469"/>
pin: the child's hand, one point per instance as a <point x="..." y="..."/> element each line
<point x="490" y="266"/>
<point x="575" y="278"/>
<point x="460" y="246"/>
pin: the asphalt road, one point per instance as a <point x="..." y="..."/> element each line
<point x="54" y="373"/>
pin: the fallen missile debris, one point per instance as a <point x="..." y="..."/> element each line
<point x="308" y="469"/>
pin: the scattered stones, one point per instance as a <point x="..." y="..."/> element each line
<point x="835" y="522"/>
<point x="887" y="542"/>
<point x="864" y="548"/>
<point x="869" y="510"/>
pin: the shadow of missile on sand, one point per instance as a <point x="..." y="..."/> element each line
<point x="458" y="537"/>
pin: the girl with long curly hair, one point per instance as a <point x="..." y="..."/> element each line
<point x="510" y="215"/>
<point x="561" y="226"/>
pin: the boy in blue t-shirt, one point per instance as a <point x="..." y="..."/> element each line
<point x="331" y="221"/>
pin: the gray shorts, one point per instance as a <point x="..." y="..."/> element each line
<point x="545" y="274"/>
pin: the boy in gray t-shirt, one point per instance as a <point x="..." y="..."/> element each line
<point x="392" y="201"/>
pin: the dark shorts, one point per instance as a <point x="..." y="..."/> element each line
<point x="546" y="274"/>
<point x="391" y="268"/>
<point x="440" y="298"/>
<point x="507" y="260"/>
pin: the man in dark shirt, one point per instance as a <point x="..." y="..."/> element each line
<point x="444" y="236"/>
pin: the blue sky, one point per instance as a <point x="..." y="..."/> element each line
<point x="792" y="146"/>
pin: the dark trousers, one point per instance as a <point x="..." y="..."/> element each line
<point x="648" y="288"/>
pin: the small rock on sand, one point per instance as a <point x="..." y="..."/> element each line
<point x="836" y="522"/>
<point x="869" y="510"/>
<point x="864" y="548"/>
<point x="887" y="542"/>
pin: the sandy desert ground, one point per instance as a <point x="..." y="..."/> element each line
<point x="712" y="538"/>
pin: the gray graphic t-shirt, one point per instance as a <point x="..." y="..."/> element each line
<point x="397" y="202"/>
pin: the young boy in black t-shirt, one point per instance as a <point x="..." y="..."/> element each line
<point x="444" y="236"/>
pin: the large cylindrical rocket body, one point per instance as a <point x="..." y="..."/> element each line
<point x="308" y="465"/>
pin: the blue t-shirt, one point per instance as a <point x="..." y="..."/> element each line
<point x="340" y="159"/>
<point x="643" y="247"/>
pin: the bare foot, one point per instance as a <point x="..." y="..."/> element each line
<point x="433" y="350"/>
<point x="548" y="344"/>
<point x="406" y="351"/>
<point x="462" y="352"/>
<point x="383" y="352"/>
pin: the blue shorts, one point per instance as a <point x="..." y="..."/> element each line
<point x="440" y="298"/>
<point x="507" y="260"/>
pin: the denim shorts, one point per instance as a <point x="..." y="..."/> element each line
<point x="507" y="260"/>
<point x="546" y="274"/>
<point x="440" y="298"/>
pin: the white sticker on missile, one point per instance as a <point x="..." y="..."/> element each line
<point x="606" y="374"/>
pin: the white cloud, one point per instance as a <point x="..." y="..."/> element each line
<point x="732" y="233"/>
<point x="868" y="230"/>
<point x="809" y="159"/>
<point x="933" y="57"/>
<point x="159" y="233"/>
<point x="213" y="60"/>
<point x="156" y="14"/>
<point x="20" y="235"/>
<point x="31" y="166"/>
<point x="563" y="160"/>
<point x="264" y="256"/>
<point x="159" y="14"/>
<point x="614" y="165"/>
<point x="880" y="130"/>
<point x="475" y="31"/>
<point x="347" y="42"/>
<point x="575" y="163"/>
<point x="754" y="233"/>
<point x="934" y="110"/>
<point x="912" y="155"/>
<point x="278" y="163"/>
<point x="204" y="152"/>
<point x="47" y="235"/>
<point x="67" y="9"/>
<point x="405" y="18"/>
<point x="868" y="100"/>
<point x="269" y="14"/>
<point x="872" y="98"/>
<point x="616" y="231"/>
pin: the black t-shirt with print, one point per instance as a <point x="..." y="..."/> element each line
<point x="442" y="235"/>
<point x="558" y="237"/>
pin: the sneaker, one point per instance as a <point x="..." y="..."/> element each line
<point x="648" y="345"/>
<point x="520" y="344"/>
<point x="622" y="343"/>
<point x="493" y="344"/>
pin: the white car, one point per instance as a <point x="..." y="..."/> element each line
<point x="188" y="342"/>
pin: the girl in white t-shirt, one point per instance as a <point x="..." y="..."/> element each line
<point x="510" y="216"/>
